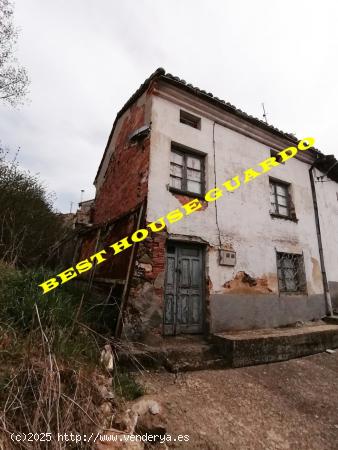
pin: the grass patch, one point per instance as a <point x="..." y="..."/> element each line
<point x="127" y="387"/>
<point x="24" y="310"/>
<point x="50" y="371"/>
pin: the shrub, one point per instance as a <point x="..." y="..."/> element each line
<point x="22" y="305"/>
<point x="127" y="387"/>
<point x="29" y="225"/>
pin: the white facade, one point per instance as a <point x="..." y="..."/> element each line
<point x="327" y="197"/>
<point x="244" y="220"/>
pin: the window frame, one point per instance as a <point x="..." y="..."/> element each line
<point x="186" y="118"/>
<point x="285" y="185"/>
<point x="301" y="274"/>
<point x="185" y="152"/>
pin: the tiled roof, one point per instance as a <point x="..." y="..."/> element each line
<point x="208" y="96"/>
<point x="161" y="74"/>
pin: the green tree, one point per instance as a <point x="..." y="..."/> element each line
<point x="29" y="226"/>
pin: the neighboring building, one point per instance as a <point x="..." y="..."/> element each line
<point x="251" y="259"/>
<point x="68" y="219"/>
<point x="83" y="215"/>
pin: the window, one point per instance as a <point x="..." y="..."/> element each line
<point x="291" y="273"/>
<point x="190" y="119"/>
<point x="186" y="172"/>
<point x="279" y="198"/>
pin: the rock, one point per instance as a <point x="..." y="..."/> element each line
<point x="150" y="417"/>
<point x="107" y="358"/>
<point x="146" y="267"/>
<point x="151" y="424"/>
<point x="159" y="280"/>
<point x="117" y="441"/>
<point x="105" y="392"/>
<point x="106" y="408"/>
<point x="126" y="420"/>
<point x="144" y="404"/>
<point x="102" y="389"/>
<point x="145" y="259"/>
<point x="144" y="415"/>
<point x="154" y="408"/>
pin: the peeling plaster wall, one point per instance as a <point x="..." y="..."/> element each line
<point x="245" y="223"/>
<point x="144" y="315"/>
<point x="327" y="198"/>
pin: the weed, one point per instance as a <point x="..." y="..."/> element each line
<point x="127" y="387"/>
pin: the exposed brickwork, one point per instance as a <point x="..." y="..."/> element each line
<point x="126" y="179"/>
<point x="186" y="199"/>
<point x="124" y="188"/>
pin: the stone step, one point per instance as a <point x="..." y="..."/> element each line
<point x="331" y="319"/>
<point x="245" y="348"/>
<point x="177" y="354"/>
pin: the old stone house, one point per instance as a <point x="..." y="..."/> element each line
<point x="264" y="255"/>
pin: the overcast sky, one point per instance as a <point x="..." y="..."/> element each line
<point x="86" y="57"/>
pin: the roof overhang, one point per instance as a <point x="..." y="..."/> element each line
<point x="160" y="74"/>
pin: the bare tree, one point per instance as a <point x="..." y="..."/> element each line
<point x="13" y="78"/>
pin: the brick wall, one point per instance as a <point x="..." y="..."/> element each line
<point x="126" y="180"/>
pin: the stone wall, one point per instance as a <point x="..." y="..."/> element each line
<point x="144" y="314"/>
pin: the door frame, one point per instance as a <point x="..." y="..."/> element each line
<point x="202" y="247"/>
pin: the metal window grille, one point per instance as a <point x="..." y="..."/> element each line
<point x="186" y="172"/>
<point x="291" y="273"/>
<point x="279" y="198"/>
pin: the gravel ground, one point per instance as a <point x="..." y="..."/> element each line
<point x="291" y="405"/>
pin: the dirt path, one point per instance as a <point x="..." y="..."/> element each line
<point x="284" y="406"/>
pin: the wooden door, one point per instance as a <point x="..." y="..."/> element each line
<point x="184" y="289"/>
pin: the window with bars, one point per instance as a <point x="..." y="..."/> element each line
<point x="186" y="172"/>
<point x="279" y="198"/>
<point x="291" y="273"/>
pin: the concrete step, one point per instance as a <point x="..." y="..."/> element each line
<point x="175" y="354"/>
<point x="331" y="319"/>
<point x="245" y="348"/>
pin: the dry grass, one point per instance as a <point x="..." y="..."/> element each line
<point x="51" y="379"/>
<point x="44" y="395"/>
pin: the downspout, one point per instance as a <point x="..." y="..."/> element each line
<point x="327" y="295"/>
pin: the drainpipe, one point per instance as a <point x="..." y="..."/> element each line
<point x="327" y="295"/>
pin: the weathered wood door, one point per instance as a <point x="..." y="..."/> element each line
<point x="184" y="289"/>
